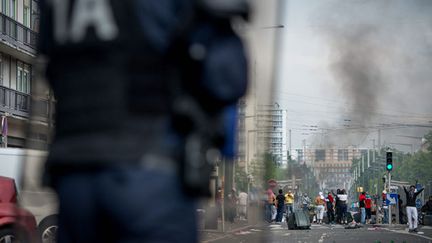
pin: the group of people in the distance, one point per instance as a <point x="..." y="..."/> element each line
<point x="334" y="204"/>
<point x="410" y="207"/>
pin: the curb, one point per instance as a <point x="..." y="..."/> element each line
<point x="228" y="233"/>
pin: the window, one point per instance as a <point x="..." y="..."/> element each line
<point x="35" y="15"/>
<point x="342" y="154"/>
<point x="5" y="7"/>
<point x="23" y="77"/>
<point x="13" y="8"/>
<point x="320" y="154"/>
<point x="26" y="13"/>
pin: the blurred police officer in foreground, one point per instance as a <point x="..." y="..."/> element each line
<point x="144" y="91"/>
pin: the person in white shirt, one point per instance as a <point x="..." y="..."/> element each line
<point x="242" y="204"/>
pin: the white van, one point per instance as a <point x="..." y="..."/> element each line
<point x="26" y="167"/>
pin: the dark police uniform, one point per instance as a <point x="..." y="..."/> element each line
<point x="110" y="64"/>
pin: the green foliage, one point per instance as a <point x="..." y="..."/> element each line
<point x="428" y="138"/>
<point x="270" y="167"/>
<point x="241" y="179"/>
<point x="281" y="173"/>
<point x="415" y="167"/>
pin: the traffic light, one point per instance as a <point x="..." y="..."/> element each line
<point x="389" y="158"/>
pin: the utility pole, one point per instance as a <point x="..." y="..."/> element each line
<point x="289" y="147"/>
<point x="389" y="206"/>
<point x="379" y="141"/>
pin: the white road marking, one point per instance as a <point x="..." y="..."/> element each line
<point x="321" y="240"/>
<point x="256" y="230"/>
<point x="407" y="233"/>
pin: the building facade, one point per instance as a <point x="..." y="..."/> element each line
<point x="272" y="134"/>
<point x="19" y="20"/>
<point x="264" y="132"/>
<point x="332" y="165"/>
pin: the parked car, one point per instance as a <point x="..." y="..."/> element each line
<point x="16" y="224"/>
<point x="25" y="166"/>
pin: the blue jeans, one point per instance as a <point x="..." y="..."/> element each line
<point x="363" y="215"/>
<point x="129" y="204"/>
<point x="289" y="209"/>
<point x="385" y="219"/>
<point x="343" y="212"/>
<point x="279" y="215"/>
<point x="268" y="212"/>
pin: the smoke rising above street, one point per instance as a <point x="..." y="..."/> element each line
<point x="380" y="54"/>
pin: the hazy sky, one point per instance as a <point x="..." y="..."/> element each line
<point x="352" y="66"/>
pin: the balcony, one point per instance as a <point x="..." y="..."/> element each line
<point x="17" y="35"/>
<point x="14" y="102"/>
<point x="20" y="104"/>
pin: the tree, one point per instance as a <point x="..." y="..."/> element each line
<point x="415" y="167"/>
<point x="270" y="167"/>
<point x="241" y="179"/>
<point x="428" y="138"/>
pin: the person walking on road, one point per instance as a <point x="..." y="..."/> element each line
<point x="270" y="210"/>
<point x="401" y="214"/>
<point x="243" y="205"/>
<point x="411" y="208"/>
<point x="320" y="202"/>
<point x="330" y="208"/>
<point x="232" y="205"/>
<point x="289" y="203"/>
<point x="280" y="205"/>
<point x="305" y="202"/>
<point x="342" y="209"/>
<point x="362" y="199"/>
<point x="338" y="206"/>
<point x="368" y="208"/>
<point x="384" y="207"/>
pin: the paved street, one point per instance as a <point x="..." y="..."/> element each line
<point x="324" y="233"/>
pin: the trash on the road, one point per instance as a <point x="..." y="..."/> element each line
<point x="353" y="226"/>
<point x="420" y="233"/>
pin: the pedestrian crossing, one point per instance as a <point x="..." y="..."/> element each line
<point x="283" y="226"/>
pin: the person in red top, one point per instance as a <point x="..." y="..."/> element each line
<point x="368" y="207"/>
<point x="362" y="199"/>
<point x="330" y="208"/>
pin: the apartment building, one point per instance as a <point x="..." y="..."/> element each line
<point x="272" y="135"/>
<point x="19" y="20"/>
<point x="332" y="165"/>
<point x="263" y="132"/>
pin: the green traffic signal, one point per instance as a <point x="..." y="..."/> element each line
<point x="389" y="157"/>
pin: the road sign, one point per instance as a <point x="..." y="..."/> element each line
<point x="418" y="203"/>
<point x="392" y="198"/>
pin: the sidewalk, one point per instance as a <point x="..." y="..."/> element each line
<point x="230" y="228"/>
